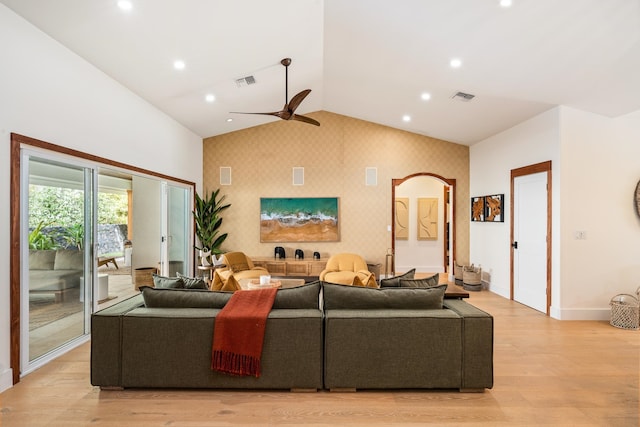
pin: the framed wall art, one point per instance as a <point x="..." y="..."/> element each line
<point x="299" y="219"/>
<point x="402" y="218"/>
<point x="477" y="209"/>
<point x="428" y="218"/>
<point x="494" y="208"/>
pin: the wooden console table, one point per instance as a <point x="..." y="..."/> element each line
<point x="291" y="266"/>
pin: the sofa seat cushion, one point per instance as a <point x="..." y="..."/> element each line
<point x="350" y="297"/>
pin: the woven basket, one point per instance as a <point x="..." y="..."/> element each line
<point x="472" y="278"/>
<point x="458" y="272"/>
<point x="625" y="311"/>
<point x="143" y="277"/>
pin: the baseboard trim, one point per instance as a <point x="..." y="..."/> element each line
<point x="581" y="313"/>
<point x="6" y="380"/>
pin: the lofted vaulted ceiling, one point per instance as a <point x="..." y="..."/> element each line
<point x="368" y="59"/>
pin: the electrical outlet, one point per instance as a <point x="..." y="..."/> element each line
<point x="580" y="235"/>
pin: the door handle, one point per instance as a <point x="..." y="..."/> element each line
<point x="514" y="245"/>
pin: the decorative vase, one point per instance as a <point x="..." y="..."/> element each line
<point x="204" y="258"/>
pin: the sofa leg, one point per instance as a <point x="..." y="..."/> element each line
<point x="471" y="390"/>
<point x="343" y="390"/>
<point x="304" y="390"/>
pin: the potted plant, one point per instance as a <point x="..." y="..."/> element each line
<point x="208" y="222"/>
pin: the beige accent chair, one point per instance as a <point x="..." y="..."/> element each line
<point x="241" y="266"/>
<point x="348" y="269"/>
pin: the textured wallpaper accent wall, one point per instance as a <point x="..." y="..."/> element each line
<point x="334" y="157"/>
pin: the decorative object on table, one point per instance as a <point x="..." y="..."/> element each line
<point x="636" y="198"/>
<point x="207" y="225"/>
<point x="299" y="254"/>
<point x="304" y="219"/>
<point x="402" y="218"/>
<point x="279" y="252"/>
<point x="428" y="218"/>
<point x="477" y="209"/>
<point x="625" y="311"/>
<point x="205" y="256"/>
<point x="316" y="255"/>
<point x="494" y="208"/>
<point x="288" y="112"/>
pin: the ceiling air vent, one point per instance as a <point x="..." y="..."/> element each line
<point x="246" y="81"/>
<point x="461" y="96"/>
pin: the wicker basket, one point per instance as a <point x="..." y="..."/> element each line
<point x="625" y="311"/>
<point x="143" y="277"/>
<point x="458" y="272"/>
<point x="472" y="278"/>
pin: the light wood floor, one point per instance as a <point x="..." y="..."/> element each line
<point x="547" y="372"/>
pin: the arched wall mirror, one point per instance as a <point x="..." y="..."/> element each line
<point x="423" y="225"/>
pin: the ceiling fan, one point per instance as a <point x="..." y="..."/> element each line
<point x="288" y="111"/>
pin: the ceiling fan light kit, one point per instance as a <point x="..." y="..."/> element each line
<point x="288" y="111"/>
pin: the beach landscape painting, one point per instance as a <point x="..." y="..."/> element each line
<point x="299" y="219"/>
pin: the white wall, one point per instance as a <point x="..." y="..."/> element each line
<point x="49" y="93"/>
<point x="595" y="169"/>
<point x="491" y="161"/>
<point x="600" y="170"/>
<point x="426" y="256"/>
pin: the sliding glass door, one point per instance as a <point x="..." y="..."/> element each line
<point x="57" y="262"/>
<point x="176" y="224"/>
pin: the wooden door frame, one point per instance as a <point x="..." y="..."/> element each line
<point x="15" y="252"/>
<point x="451" y="182"/>
<point x="523" y="171"/>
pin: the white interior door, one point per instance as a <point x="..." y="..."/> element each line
<point x="530" y="240"/>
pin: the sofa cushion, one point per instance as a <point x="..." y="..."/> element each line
<point x="350" y="297"/>
<point x="193" y="282"/>
<point x="394" y="282"/>
<point x="183" y="298"/>
<point x="300" y="297"/>
<point x="167" y="282"/>
<point x="69" y="259"/>
<point x="41" y="260"/>
<point x="426" y="282"/>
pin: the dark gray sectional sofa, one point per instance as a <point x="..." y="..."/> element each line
<point x="318" y="336"/>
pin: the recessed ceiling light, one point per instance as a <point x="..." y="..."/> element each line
<point x="425" y="96"/>
<point x="125" y="5"/>
<point x="179" y="65"/>
<point x="456" y="63"/>
<point x="505" y="3"/>
<point x="406" y="118"/>
<point x="229" y="120"/>
<point x="210" y="97"/>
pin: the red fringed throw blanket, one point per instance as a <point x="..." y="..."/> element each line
<point x="238" y="332"/>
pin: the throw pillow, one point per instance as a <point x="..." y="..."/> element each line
<point x="427" y="282"/>
<point x="394" y="282"/>
<point x="340" y="297"/>
<point x="183" y="298"/>
<point x="193" y="282"/>
<point x="69" y="259"/>
<point x="167" y="282"/>
<point x="304" y="296"/>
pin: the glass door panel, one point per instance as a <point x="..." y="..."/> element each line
<point x="176" y="230"/>
<point x="57" y="267"/>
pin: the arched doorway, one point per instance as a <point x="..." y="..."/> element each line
<point x="414" y="223"/>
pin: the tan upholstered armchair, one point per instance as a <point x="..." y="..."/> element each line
<point x="241" y="266"/>
<point x="348" y="269"/>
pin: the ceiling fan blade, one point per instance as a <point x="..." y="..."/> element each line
<point x="296" y="100"/>
<point x="305" y="119"/>
<point x="274" y="113"/>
